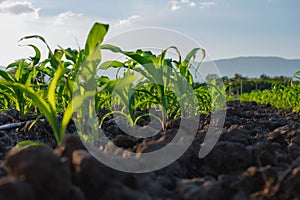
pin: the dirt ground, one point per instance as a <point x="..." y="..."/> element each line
<point x="256" y="157"/>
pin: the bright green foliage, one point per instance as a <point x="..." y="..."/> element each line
<point x="27" y="143"/>
<point x="67" y="81"/>
<point x="25" y="73"/>
<point x="62" y="74"/>
<point x="165" y="84"/>
<point x="296" y="79"/>
<point x="280" y="96"/>
<point x="46" y="106"/>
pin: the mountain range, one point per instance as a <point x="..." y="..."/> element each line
<point x="256" y="66"/>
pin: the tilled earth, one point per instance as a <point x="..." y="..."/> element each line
<point x="256" y="157"/>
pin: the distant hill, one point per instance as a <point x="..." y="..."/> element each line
<point x="255" y="66"/>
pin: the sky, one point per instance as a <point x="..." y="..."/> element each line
<point x="225" y="28"/>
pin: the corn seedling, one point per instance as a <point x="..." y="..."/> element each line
<point x="47" y="104"/>
<point x="280" y="96"/>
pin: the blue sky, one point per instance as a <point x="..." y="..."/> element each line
<point x="225" y="28"/>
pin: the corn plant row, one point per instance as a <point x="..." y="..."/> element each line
<point x="46" y="87"/>
<point x="280" y="96"/>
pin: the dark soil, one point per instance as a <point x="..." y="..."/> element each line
<point x="256" y="157"/>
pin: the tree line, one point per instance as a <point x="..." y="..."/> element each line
<point x="239" y="84"/>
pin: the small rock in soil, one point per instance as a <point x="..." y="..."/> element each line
<point x="294" y="151"/>
<point x="45" y="172"/>
<point x="125" y="141"/>
<point x="265" y="153"/>
<point x="289" y="188"/>
<point x="92" y="176"/>
<point x="190" y="189"/>
<point x="13" y="189"/>
<point x="228" y="156"/>
<point x="257" y="179"/>
<point x="238" y="134"/>
<point x="69" y="144"/>
<point x="271" y="125"/>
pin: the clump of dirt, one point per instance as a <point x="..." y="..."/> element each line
<point x="256" y="157"/>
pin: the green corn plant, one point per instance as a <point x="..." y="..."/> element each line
<point x="204" y="98"/>
<point x="85" y="84"/>
<point x="159" y="73"/>
<point x="103" y="95"/>
<point x="47" y="104"/>
<point x="70" y="60"/>
<point x="25" y="73"/>
<point x="296" y="78"/>
<point x="121" y="94"/>
<point x="217" y="91"/>
<point x="280" y="96"/>
<point x="149" y="62"/>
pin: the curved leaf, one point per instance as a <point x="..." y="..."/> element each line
<point x="112" y="48"/>
<point x="37" y="57"/>
<point x="37" y="37"/>
<point x="114" y="63"/>
<point x="6" y="76"/>
<point x="52" y="87"/>
<point x="28" y="143"/>
<point x="95" y="37"/>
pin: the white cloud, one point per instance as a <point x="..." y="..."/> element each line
<point x="207" y="4"/>
<point x="192" y="4"/>
<point x="18" y="8"/>
<point x="62" y="17"/>
<point x="174" y="5"/>
<point x="128" y="21"/>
